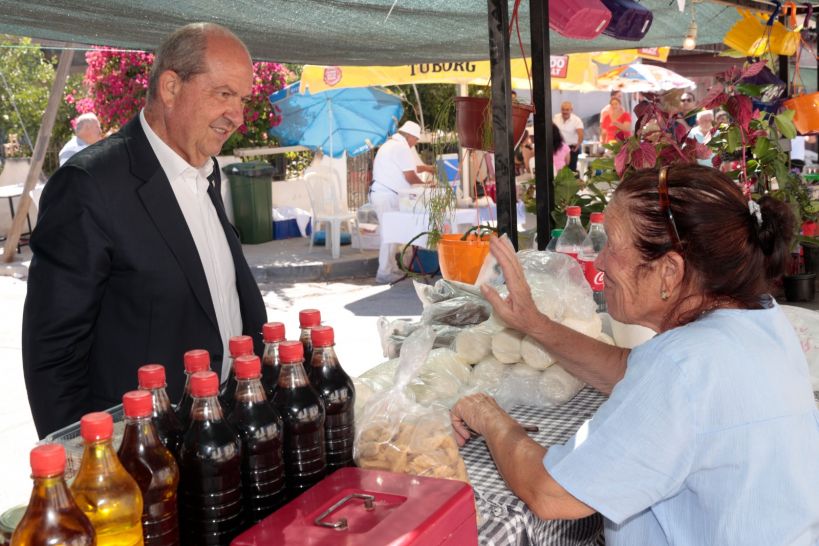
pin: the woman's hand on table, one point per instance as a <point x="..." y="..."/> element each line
<point x="476" y="413"/>
<point x="518" y="311"/>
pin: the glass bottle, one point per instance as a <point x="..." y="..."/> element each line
<point x="52" y="516"/>
<point x="210" y="470"/>
<point x="103" y="489"/>
<point x="168" y="426"/>
<point x="260" y="428"/>
<point x="571" y="240"/>
<point x="302" y="411"/>
<point x="273" y="334"/>
<point x="308" y="319"/>
<point x="153" y="467"/>
<point x="338" y="394"/>
<point x="238" y="346"/>
<point x="196" y="360"/>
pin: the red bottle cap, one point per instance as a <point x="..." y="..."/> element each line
<point x="47" y="460"/>
<point x="596" y="217"/>
<point x="98" y="425"/>
<point x="322" y="336"/>
<point x="138" y="404"/>
<point x="204" y="384"/>
<point x="291" y="351"/>
<point x="573" y="211"/>
<point x="240" y="345"/>
<point x="151" y="376"/>
<point x="197" y="360"/>
<point x="247" y="367"/>
<point x="273" y="331"/>
<point x="309" y="318"/>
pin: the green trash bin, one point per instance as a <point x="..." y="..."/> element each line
<point x="251" y="189"/>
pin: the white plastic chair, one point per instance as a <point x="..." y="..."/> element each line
<point x="329" y="210"/>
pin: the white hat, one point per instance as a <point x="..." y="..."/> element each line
<point x="411" y="128"/>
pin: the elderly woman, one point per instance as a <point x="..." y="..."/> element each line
<point x="710" y="434"/>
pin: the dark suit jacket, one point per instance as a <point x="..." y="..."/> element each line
<point x="116" y="282"/>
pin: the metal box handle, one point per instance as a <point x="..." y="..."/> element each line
<point x="341" y="524"/>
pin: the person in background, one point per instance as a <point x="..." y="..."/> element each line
<point x="560" y="155"/>
<point x="722" y="118"/>
<point x="134" y="260"/>
<point x="87" y="131"/>
<point x="524" y="154"/>
<point x="614" y="119"/>
<point x="710" y="433"/>
<point x="571" y="128"/>
<point x="395" y="168"/>
<point x="703" y="132"/>
<point x="688" y="108"/>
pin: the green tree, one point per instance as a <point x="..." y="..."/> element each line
<point x="26" y="75"/>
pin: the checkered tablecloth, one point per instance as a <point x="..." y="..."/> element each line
<point x="504" y="519"/>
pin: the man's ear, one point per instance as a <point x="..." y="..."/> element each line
<point x="170" y="85"/>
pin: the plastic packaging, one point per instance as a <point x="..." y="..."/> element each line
<point x="506" y="346"/>
<point x="396" y="433"/>
<point x="571" y="240"/>
<point x="441" y="379"/>
<point x="459" y="311"/>
<point x="168" y="426"/>
<point x="592" y="246"/>
<point x="52" y="516"/>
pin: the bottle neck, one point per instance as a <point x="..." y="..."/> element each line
<point x="206" y="408"/>
<point x="324" y="357"/>
<point x="596" y="227"/>
<point x="249" y="391"/>
<point x="99" y="457"/>
<point x="141" y="429"/>
<point x="271" y="353"/>
<point x="572" y="221"/>
<point x="162" y="403"/>
<point x="293" y="375"/>
<point x="51" y="491"/>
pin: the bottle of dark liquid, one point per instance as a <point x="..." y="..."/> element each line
<point x="168" y="426"/>
<point x="197" y="360"/>
<point x="303" y="415"/>
<point x="238" y="346"/>
<point x="52" y="516"/>
<point x="338" y="394"/>
<point x="273" y="334"/>
<point x="154" y="469"/>
<point x="210" y="469"/>
<point x="260" y="428"/>
<point x="308" y="319"/>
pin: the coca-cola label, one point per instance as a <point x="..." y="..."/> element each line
<point x="593" y="276"/>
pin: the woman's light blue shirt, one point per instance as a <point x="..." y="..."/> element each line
<point x="711" y="438"/>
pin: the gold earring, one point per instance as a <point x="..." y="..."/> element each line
<point x="664" y="295"/>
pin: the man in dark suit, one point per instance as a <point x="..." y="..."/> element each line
<point x="134" y="259"/>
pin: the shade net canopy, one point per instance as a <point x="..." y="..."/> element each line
<point x="351" y="32"/>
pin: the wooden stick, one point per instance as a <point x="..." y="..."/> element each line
<point x="38" y="154"/>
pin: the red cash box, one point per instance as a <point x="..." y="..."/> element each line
<point x="372" y="508"/>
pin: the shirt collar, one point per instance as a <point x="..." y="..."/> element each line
<point x="170" y="161"/>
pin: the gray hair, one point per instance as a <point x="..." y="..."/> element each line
<point x="184" y="52"/>
<point x="85" y="119"/>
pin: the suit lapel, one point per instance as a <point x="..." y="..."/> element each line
<point x="160" y="203"/>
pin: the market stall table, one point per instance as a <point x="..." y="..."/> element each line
<point x="505" y="520"/>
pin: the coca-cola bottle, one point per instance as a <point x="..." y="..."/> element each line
<point x="571" y="240"/>
<point x="273" y="334"/>
<point x="338" y="394"/>
<point x="308" y="319"/>
<point x="196" y="360"/>
<point x="260" y="428"/>
<point x="168" y="426"/>
<point x="592" y="245"/>
<point x="238" y="346"/>
<point x="302" y="411"/>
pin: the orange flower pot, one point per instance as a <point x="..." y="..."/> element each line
<point x="462" y="260"/>
<point x="806" y="107"/>
<point x="473" y="122"/>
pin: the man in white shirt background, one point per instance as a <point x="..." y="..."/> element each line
<point x="571" y="129"/>
<point x="395" y="168"/>
<point x="87" y="131"/>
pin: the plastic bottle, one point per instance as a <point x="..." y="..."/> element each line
<point x="238" y="346"/>
<point x="196" y="360"/>
<point x="273" y="334"/>
<point x="571" y="240"/>
<point x="153" y="467"/>
<point x="168" y="426"/>
<point x="308" y="318"/>
<point x="260" y="428"/>
<point x="592" y="245"/>
<point x="302" y="411"/>
<point x="210" y="470"/>
<point x="338" y="394"/>
<point x="103" y="489"/>
<point x="554" y="236"/>
<point x="52" y="516"/>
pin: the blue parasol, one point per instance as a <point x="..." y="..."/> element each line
<point x="351" y="120"/>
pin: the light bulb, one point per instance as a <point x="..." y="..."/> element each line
<point x="690" y="41"/>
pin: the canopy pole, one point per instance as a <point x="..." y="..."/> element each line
<point x="462" y="90"/>
<point x="542" y="99"/>
<point x="502" y="118"/>
<point x="39" y="152"/>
